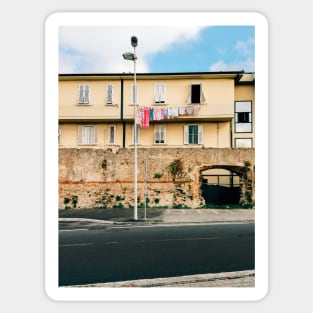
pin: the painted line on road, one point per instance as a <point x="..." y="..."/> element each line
<point x="76" y="244"/>
<point x="76" y="229"/>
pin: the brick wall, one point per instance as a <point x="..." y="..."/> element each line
<point x="90" y="178"/>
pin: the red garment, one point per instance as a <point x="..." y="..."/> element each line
<point x="145" y="118"/>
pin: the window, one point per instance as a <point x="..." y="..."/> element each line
<point x="195" y="91"/>
<point x="243" y="117"/>
<point x="87" y="135"/>
<point x="134" y="94"/>
<point x="137" y="133"/>
<point x="109" y="94"/>
<point x="159" y="134"/>
<point x="196" y="95"/>
<point x="83" y="94"/>
<point x="159" y="93"/>
<point x="243" y="142"/>
<point x="193" y="134"/>
<point x="112" y="134"/>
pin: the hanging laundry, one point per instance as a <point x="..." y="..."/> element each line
<point x="181" y="111"/>
<point x="196" y="109"/>
<point x="145" y="118"/>
<point x="189" y="110"/>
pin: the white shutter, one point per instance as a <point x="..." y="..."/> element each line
<point x="80" y="93"/>
<point x="112" y="134"/>
<point x="87" y="94"/>
<point x="163" y="133"/>
<point x="80" y="135"/>
<point x="162" y="93"/>
<point x="200" y="134"/>
<point x="156" y="93"/>
<point x="186" y="131"/>
<point x="109" y="93"/>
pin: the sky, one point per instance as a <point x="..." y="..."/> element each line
<point x="99" y="49"/>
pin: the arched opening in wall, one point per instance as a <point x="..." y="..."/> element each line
<point x="220" y="186"/>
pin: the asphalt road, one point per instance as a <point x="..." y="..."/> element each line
<point x="118" y="253"/>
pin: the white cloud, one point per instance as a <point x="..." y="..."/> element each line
<point x="245" y="48"/>
<point x="246" y="65"/>
<point x="245" y="52"/>
<point x="99" y="49"/>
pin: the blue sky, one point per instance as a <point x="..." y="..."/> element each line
<point x="99" y="49"/>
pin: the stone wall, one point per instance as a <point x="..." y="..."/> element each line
<point x="90" y="178"/>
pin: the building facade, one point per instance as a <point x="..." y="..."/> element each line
<point x="210" y="110"/>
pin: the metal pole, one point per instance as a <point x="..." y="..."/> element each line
<point x="135" y="141"/>
<point x="145" y="188"/>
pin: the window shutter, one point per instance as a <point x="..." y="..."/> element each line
<point x="112" y="136"/>
<point x="186" y="131"/>
<point x="95" y="134"/>
<point x="163" y="133"/>
<point x="87" y="94"/>
<point x="109" y="94"/>
<point x="163" y="93"/>
<point x="156" y="93"/>
<point x="80" y="93"/>
<point x="200" y="134"/>
<point x="80" y="134"/>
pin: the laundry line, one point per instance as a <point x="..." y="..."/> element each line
<point x="145" y="115"/>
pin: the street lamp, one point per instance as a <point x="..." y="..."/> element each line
<point x="132" y="57"/>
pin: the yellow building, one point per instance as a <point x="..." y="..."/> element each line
<point x="209" y="109"/>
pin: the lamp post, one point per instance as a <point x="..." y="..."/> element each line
<point x="132" y="57"/>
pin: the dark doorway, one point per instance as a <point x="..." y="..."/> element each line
<point x="220" y="187"/>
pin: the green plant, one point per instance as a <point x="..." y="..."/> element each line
<point x="176" y="168"/>
<point x="158" y="175"/>
<point x="66" y="200"/>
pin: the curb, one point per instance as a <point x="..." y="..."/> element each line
<point x="226" y="279"/>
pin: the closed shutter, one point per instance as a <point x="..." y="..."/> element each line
<point x="87" y="94"/>
<point x="186" y="134"/>
<point x="80" y="93"/>
<point x="109" y="99"/>
<point x="200" y="134"/>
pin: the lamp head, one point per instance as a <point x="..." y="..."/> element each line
<point x="129" y="56"/>
<point x="134" y="41"/>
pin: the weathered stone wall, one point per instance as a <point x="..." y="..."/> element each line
<point x="90" y="178"/>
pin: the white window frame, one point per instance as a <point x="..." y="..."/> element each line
<point x="134" y="101"/>
<point x="186" y="134"/>
<point x="243" y="107"/>
<point x="85" y="139"/>
<point x="159" y="132"/>
<point x="110" y="141"/>
<point x="84" y="92"/>
<point x="109" y="91"/>
<point x="160" y="93"/>
<point x="245" y="143"/>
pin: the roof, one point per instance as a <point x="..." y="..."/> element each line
<point x="239" y="76"/>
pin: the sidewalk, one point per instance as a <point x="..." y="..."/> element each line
<point x="160" y="216"/>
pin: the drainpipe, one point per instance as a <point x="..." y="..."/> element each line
<point x="231" y="133"/>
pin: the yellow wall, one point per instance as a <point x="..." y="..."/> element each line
<point x="218" y="93"/>
<point x="216" y="113"/>
<point x="96" y="109"/>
